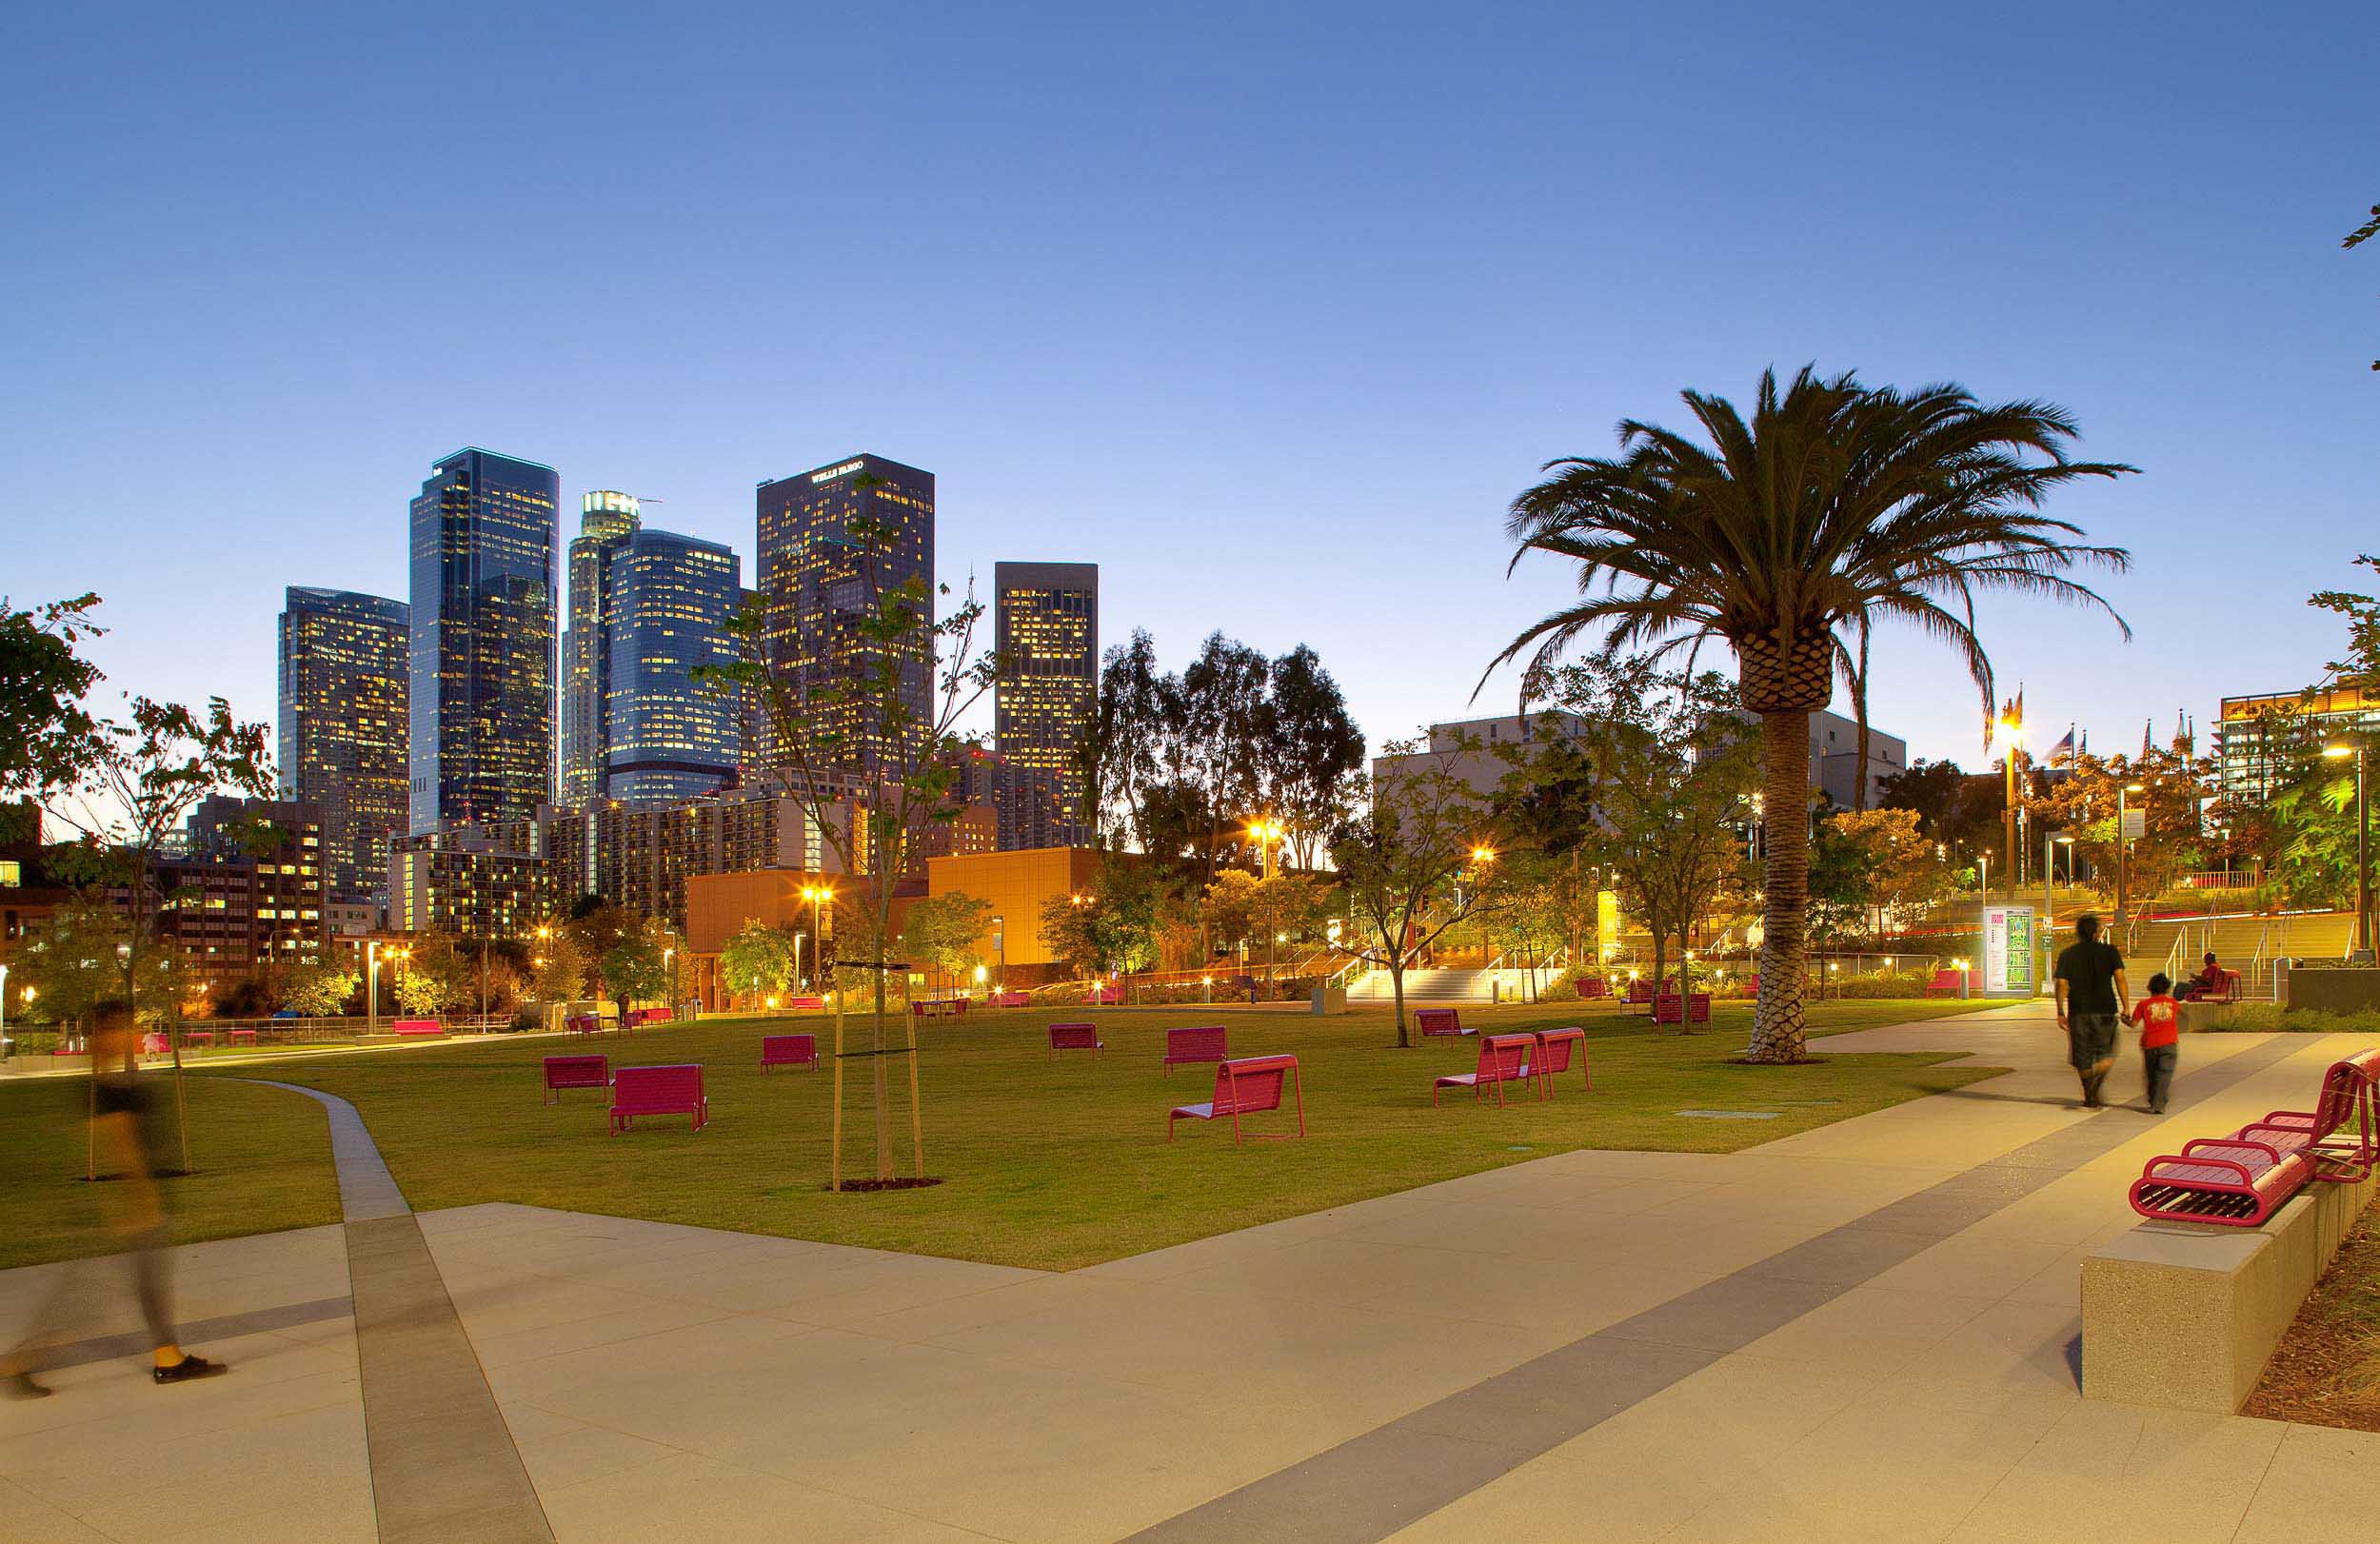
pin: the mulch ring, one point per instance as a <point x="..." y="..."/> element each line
<point x="2327" y="1372"/>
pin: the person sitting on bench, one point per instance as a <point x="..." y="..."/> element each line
<point x="2208" y="982"/>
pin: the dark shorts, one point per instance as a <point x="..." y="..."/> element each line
<point x="2089" y="1039"/>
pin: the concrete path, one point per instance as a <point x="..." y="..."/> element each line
<point x="1866" y="1330"/>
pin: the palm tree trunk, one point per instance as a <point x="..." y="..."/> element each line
<point x="1778" y="1031"/>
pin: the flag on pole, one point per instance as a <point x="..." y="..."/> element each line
<point x="2063" y="751"/>
<point x="2148" y="738"/>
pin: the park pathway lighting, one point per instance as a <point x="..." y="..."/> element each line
<point x="2123" y="851"/>
<point x="2362" y="838"/>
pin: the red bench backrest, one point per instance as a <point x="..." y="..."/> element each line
<point x="573" y="1067"/>
<point x="1074" y="1036"/>
<point x="1556" y="1056"/>
<point x="1196" y="1045"/>
<point x="2343" y="1089"/>
<point x="1251" y="1084"/>
<point x="676" y="1086"/>
<point x="1437" y="1020"/>
<point x="1502" y="1056"/>
<point x="1639" y="991"/>
<point x="788" y="1048"/>
<point x="414" y="1027"/>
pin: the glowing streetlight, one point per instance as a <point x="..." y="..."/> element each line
<point x="2008" y="734"/>
<point x="2362" y="837"/>
<point x="1267" y="834"/>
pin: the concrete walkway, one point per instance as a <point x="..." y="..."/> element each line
<point x="1866" y="1330"/>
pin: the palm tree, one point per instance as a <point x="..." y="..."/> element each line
<point x="1836" y="507"/>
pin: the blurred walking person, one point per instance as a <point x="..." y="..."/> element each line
<point x="2090" y="995"/>
<point x="124" y="1132"/>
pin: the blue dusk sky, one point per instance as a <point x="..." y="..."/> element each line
<point x="1266" y="310"/>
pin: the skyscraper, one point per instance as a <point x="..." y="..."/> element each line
<point x="1046" y="623"/>
<point x="668" y="737"/>
<point x="819" y="588"/>
<point x="606" y="520"/>
<point x="342" y="728"/>
<point x="482" y="656"/>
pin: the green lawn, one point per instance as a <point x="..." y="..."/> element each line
<point x="262" y="1159"/>
<point x="1061" y="1165"/>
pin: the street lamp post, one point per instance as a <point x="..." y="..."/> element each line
<point x="999" y="943"/>
<point x="5" y="1041"/>
<point x="2012" y="739"/>
<point x="2123" y="853"/>
<point x="2363" y="845"/>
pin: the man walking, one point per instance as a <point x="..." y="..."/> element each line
<point x="2091" y="1000"/>
<point x="124" y="1128"/>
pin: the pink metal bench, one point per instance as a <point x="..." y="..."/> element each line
<point x="1696" y="1006"/>
<point x="198" y="1037"/>
<point x="240" y="1037"/>
<point x="1248" y="1086"/>
<point x="805" y="1002"/>
<point x="2351" y="1090"/>
<point x="1948" y="979"/>
<point x="788" y="1051"/>
<point x="1184" y="1046"/>
<point x="417" y="1027"/>
<point x="1592" y="986"/>
<point x="1076" y="1037"/>
<point x="2240" y="1181"/>
<point x="1503" y="1059"/>
<point x="1012" y="1000"/>
<point x="1640" y="993"/>
<point x="1440" y="1022"/>
<point x="583" y="1023"/>
<point x="1552" y="1054"/>
<point x="676" y="1090"/>
<point x="1105" y="996"/>
<point x="575" y="1072"/>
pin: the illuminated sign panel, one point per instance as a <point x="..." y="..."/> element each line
<point x="2007" y="950"/>
<point x="833" y="472"/>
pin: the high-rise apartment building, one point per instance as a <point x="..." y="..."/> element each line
<point x="669" y="735"/>
<point x="484" y="530"/>
<point x="820" y="587"/>
<point x="2264" y="740"/>
<point x="1045" y="619"/>
<point x="343" y="729"/>
<point x="607" y="519"/>
<point x="464" y="880"/>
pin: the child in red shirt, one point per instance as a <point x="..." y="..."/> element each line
<point x="2160" y="1020"/>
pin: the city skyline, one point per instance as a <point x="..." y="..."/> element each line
<point x="1284" y="387"/>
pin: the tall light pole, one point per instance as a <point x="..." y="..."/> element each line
<point x="2363" y="844"/>
<point x="2012" y="739"/>
<point x="1267" y="833"/>
<point x="5" y="1041"/>
<point x="2123" y="853"/>
<point x="816" y="894"/>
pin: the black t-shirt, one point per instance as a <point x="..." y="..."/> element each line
<point x="2089" y="972"/>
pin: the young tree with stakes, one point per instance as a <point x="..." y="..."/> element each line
<point x="136" y="779"/>
<point x="1414" y="861"/>
<point x="877" y="836"/>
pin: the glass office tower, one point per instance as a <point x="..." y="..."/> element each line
<point x="343" y="729"/>
<point x="607" y="519"/>
<point x="1045" y="621"/>
<point x="668" y="736"/>
<point x="818" y="589"/>
<point x="484" y="528"/>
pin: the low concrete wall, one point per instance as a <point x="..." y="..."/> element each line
<point x="2339" y="990"/>
<point x="2185" y="1315"/>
